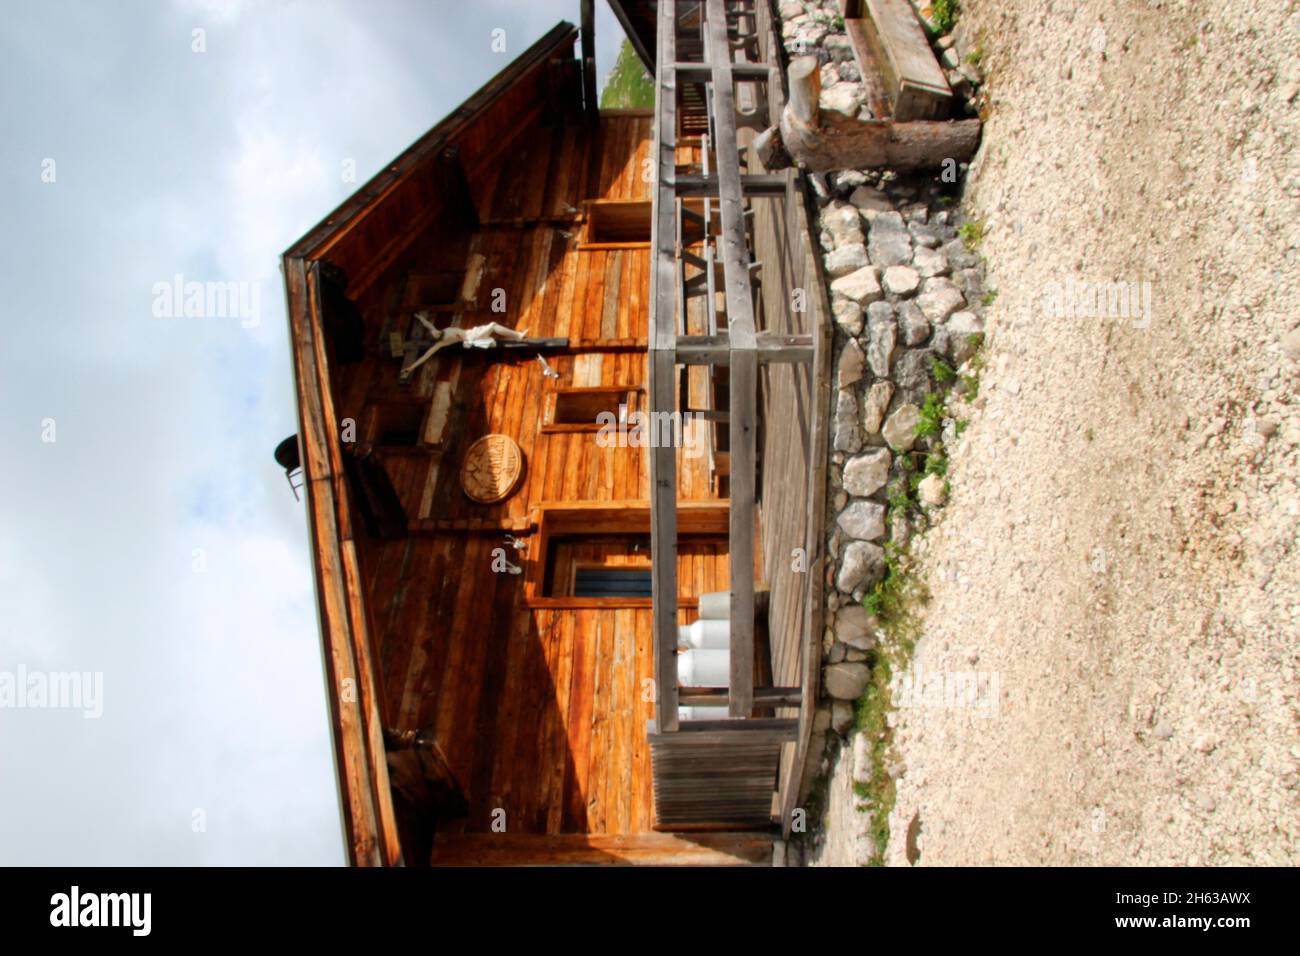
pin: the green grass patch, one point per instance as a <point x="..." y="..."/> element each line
<point x="894" y="601"/>
<point x="932" y="413"/>
<point x="943" y="14"/>
<point x="943" y="373"/>
<point x="629" y="85"/>
<point x="970" y="382"/>
<point x="971" y="233"/>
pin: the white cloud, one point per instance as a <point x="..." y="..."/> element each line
<point x="209" y="165"/>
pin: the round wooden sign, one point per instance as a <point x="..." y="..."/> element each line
<point x="491" y="469"/>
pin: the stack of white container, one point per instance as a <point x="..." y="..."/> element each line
<point x="704" y="653"/>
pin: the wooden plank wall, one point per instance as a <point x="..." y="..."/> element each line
<point x="788" y="417"/>
<point x="540" y="712"/>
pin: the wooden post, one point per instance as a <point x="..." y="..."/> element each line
<point x="744" y="364"/>
<point x="663" y="394"/>
<point x="589" y="60"/>
<point x="663" y="541"/>
<point x="629" y="28"/>
<point x="805" y="76"/>
<point x="744" y="460"/>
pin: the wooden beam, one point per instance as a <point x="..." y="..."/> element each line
<point x="771" y="347"/>
<point x="718" y="696"/>
<point x="743" y="424"/>
<point x="588" y="18"/>
<point x="662" y="384"/>
<point x="663" y="305"/>
<point x="815" y="538"/>
<point x="663" y="540"/>
<point x="760" y="184"/>
<point x="697" y="72"/>
<point x="744" y="461"/>
<point x="356" y="720"/>
<point x="642" y="51"/>
<point x="778" y="728"/>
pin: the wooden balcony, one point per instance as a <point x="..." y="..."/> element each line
<point x="726" y="304"/>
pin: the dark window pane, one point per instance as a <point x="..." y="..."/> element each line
<point x="612" y="582"/>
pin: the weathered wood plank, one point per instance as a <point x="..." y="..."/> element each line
<point x="588" y="20"/>
<point x="914" y="81"/>
<point x="744" y="460"/>
<point x="663" y="305"/>
<point x="577" y="849"/>
<point x="663" y="543"/>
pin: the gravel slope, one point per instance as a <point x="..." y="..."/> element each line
<point x="1119" y="554"/>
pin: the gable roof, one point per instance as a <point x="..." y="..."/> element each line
<point x="355" y="232"/>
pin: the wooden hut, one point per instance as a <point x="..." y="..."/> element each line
<point x="503" y="553"/>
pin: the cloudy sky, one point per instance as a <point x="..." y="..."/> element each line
<point x="145" y="532"/>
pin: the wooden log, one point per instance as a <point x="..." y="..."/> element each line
<point x="770" y="150"/>
<point x="805" y="82"/>
<point x="920" y="144"/>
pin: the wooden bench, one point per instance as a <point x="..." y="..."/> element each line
<point x="888" y="39"/>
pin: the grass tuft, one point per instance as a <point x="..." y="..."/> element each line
<point x="972" y="234"/>
<point x="943" y="14"/>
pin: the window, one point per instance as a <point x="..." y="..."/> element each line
<point x="397" y="424"/>
<point x="598" y="566"/>
<point x="579" y="409"/>
<point x="618" y="222"/>
<point x="596" y="581"/>
<point x="578" y="543"/>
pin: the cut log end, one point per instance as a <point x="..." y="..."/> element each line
<point x="805" y="83"/>
<point x="770" y="150"/>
